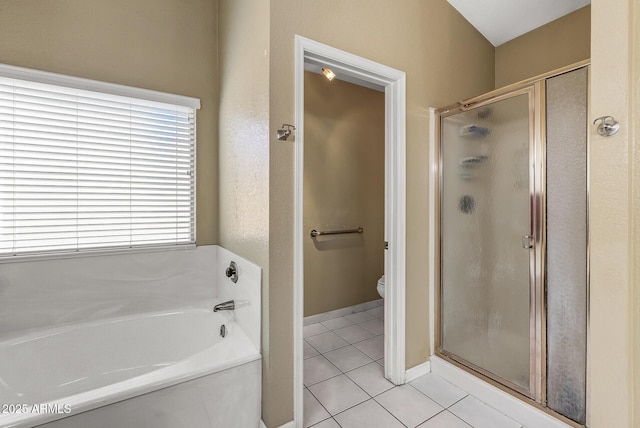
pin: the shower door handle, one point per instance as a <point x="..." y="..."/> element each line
<point x="528" y="242"/>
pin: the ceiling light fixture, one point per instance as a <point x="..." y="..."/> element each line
<point x="328" y="73"/>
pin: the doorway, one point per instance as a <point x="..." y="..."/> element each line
<point x="364" y="72"/>
<point x="343" y="203"/>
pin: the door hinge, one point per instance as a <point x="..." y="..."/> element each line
<point x="386" y="245"/>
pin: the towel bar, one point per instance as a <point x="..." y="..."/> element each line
<point x="315" y="233"/>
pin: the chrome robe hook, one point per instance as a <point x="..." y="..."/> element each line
<point x="284" y="133"/>
<point x="608" y="126"/>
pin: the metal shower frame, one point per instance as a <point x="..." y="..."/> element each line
<point x="535" y="89"/>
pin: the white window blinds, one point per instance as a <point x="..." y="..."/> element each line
<point x="85" y="170"/>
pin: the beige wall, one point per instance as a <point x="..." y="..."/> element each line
<point x="171" y="46"/>
<point x="244" y="155"/>
<point x="343" y="188"/>
<point x="614" y="217"/>
<point x="635" y="144"/>
<point x="164" y="45"/>
<point x="445" y="59"/>
<point x="244" y="139"/>
<point x="561" y="42"/>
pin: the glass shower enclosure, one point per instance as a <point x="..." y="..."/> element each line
<point x="512" y="246"/>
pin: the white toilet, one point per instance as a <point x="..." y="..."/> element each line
<point x="381" y="286"/>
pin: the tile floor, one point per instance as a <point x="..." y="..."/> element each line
<point x="345" y="385"/>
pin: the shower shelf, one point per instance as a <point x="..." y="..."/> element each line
<point x="473" y="131"/>
<point x="467" y="176"/>
<point x="472" y="161"/>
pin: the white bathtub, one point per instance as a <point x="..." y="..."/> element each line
<point x="69" y="371"/>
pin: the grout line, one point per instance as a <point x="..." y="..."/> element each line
<point x="345" y="373"/>
<point x="442" y="411"/>
<point x="319" y="353"/>
<point x="387" y="390"/>
<point x="349" y="310"/>
<point x="459" y="418"/>
<point x="355" y="368"/>
<point x="434" y="400"/>
<point x="391" y="413"/>
<point x="372" y="396"/>
<point x="339" y="347"/>
<point x="355" y="342"/>
<point x="355" y="405"/>
<point x="459" y="401"/>
<point x="325" y="409"/>
<point x="339" y="374"/>
<point x="314" y="335"/>
<point x="334" y="349"/>
<point x="438" y="404"/>
<point x="373" y="361"/>
<point x="333" y="416"/>
<point x="318" y="423"/>
<point x="358" y="386"/>
<point x="352" y="322"/>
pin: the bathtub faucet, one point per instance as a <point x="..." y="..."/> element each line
<point x="225" y="306"/>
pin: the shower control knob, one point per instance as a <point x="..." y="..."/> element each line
<point x="232" y="272"/>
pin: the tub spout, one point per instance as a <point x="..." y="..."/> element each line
<point x="225" y="306"/>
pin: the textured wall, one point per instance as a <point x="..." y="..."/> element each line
<point x="561" y="42"/>
<point x="343" y="188"/>
<point x="613" y="216"/>
<point x="164" y="45"/>
<point x="445" y="59"/>
<point x="635" y="139"/>
<point x="244" y="148"/>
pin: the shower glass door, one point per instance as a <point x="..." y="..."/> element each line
<point x="488" y="239"/>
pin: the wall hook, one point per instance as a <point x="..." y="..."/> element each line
<point x="608" y="126"/>
<point x="284" y="133"/>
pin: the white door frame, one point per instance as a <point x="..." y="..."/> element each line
<point x="394" y="84"/>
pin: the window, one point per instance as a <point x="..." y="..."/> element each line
<point x="84" y="166"/>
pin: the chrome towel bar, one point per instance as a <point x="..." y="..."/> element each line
<point x="315" y="233"/>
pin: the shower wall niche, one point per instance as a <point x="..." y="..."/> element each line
<point x="512" y="293"/>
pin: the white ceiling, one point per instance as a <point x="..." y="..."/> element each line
<point x="503" y="20"/>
